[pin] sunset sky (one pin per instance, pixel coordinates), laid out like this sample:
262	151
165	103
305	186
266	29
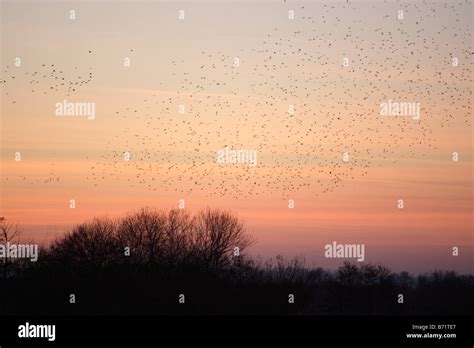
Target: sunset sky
282	62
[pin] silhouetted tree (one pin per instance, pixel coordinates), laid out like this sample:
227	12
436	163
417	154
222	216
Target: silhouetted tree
215	235
89	247
174	252
9	233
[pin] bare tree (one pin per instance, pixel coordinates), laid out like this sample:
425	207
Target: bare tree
215	236
179	237
91	244
144	233
9	233
164	241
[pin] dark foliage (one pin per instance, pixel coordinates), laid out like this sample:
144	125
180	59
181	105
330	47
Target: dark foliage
174	253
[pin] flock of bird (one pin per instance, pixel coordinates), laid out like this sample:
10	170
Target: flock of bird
48	79
293	100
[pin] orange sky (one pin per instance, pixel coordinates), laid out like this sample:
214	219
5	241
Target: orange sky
283	62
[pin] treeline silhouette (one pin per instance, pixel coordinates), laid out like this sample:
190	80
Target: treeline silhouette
145	261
